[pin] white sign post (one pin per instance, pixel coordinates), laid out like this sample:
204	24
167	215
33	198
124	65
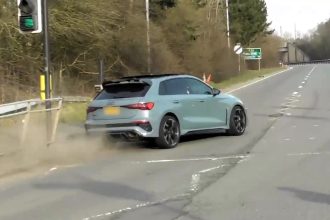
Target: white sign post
238	49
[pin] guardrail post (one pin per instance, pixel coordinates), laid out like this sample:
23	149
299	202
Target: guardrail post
55	122
26	121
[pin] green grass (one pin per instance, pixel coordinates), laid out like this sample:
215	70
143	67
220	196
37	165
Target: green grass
73	113
246	76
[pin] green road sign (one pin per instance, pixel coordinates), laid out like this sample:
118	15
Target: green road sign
252	53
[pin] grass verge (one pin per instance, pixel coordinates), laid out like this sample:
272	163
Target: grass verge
73	113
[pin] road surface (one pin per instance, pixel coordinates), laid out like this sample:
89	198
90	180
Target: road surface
278	170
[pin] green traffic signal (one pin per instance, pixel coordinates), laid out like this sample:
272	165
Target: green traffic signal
30	16
27	23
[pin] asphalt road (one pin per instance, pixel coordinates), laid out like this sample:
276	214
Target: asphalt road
277	170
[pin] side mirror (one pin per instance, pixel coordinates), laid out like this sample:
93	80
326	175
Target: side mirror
216	91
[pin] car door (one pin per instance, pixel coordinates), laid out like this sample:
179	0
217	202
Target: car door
175	99
210	111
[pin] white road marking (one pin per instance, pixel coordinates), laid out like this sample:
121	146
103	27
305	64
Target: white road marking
195	179
141	205
195	159
312	70
305	154
303	82
250	84
300	87
295	93
316	126
312	138
213	168
60	167
287	139
288	114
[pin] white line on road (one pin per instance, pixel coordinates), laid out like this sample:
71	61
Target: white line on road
267	77
140	205
195	159
213	168
195	179
307	154
312	71
60	167
300	87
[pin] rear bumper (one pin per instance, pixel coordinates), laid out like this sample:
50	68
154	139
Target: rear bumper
141	129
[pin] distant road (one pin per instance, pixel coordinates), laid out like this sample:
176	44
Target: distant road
278	170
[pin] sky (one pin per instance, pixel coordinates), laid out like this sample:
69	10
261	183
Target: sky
305	14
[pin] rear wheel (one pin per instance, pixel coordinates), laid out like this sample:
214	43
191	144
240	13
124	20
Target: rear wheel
169	132
237	123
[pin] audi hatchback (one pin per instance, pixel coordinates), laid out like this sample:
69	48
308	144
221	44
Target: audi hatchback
163	108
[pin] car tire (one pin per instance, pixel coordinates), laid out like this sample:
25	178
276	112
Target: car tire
237	123
169	132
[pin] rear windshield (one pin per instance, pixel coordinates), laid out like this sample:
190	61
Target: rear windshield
123	90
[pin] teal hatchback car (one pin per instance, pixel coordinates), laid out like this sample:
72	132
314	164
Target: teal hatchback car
163	108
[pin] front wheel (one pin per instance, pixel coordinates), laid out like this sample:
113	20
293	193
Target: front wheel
169	132
237	124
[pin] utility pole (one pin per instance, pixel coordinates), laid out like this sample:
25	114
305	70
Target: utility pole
148	37
47	66
228	27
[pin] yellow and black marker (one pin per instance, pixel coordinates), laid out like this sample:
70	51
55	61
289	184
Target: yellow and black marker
43	87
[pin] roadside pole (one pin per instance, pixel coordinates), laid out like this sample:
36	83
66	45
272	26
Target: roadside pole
47	68
239	63
101	70
228	23
148	38
238	49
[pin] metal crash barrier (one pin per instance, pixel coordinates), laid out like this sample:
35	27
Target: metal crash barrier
28	107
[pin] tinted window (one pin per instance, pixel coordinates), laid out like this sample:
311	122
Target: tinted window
197	87
173	87
123	90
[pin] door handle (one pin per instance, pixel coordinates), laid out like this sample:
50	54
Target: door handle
201	100
176	101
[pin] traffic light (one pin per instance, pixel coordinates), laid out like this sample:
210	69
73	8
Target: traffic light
29	16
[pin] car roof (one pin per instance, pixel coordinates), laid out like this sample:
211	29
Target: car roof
144	78
152	76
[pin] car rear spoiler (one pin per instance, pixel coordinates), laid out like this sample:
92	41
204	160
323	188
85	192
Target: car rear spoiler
124	80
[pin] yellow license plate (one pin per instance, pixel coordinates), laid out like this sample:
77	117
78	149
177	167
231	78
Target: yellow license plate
111	111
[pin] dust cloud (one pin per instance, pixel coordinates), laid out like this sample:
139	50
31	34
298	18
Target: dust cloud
72	147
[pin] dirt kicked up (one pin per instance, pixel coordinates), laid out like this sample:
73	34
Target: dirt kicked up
72	146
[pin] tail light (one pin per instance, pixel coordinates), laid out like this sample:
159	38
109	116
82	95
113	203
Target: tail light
141	106
92	109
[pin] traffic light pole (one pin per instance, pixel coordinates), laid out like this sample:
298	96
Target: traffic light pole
47	65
